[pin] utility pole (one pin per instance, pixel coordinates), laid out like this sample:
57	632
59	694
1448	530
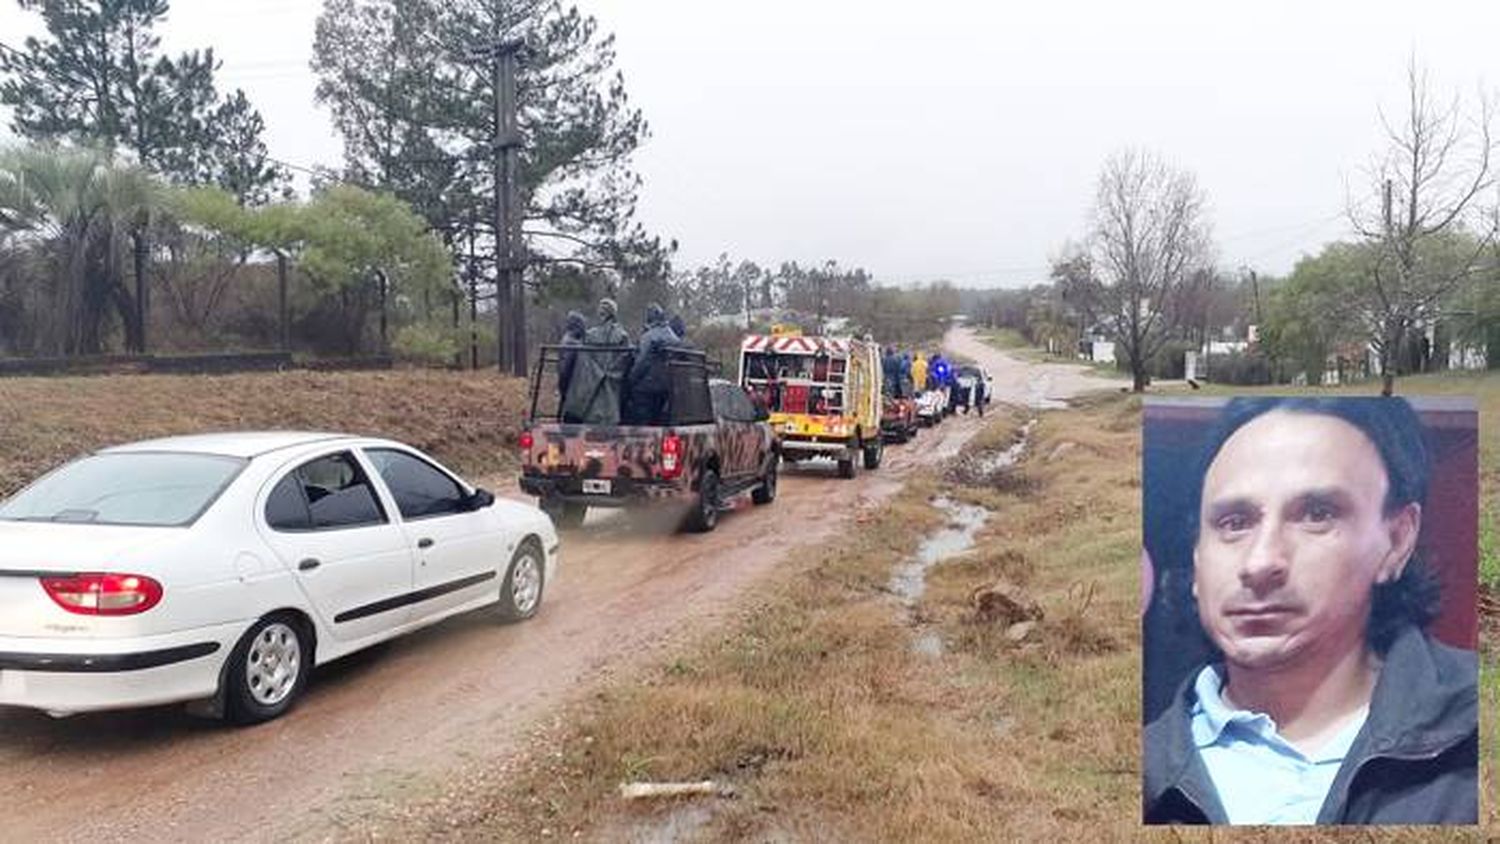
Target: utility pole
515	210
510	290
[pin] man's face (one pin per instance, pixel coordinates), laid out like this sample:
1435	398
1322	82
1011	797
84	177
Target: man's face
1292	539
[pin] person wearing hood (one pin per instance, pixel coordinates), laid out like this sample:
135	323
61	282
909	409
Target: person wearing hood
575	327
649	382
679	327
919	372
594	393
608	332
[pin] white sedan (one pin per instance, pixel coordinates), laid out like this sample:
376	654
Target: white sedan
222	568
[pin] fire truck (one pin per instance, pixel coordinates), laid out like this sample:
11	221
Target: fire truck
823	395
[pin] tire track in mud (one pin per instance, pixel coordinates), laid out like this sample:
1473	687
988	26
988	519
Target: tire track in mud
377	722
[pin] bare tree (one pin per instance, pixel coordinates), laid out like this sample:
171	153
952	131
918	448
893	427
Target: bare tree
1427	200
1149	240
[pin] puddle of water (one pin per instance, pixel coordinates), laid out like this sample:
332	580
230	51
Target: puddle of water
928	643
994	462
910	578
680	824
1038	388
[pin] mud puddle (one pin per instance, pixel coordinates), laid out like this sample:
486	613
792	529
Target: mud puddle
909	580
964	522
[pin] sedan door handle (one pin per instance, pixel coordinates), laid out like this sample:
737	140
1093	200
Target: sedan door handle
424	542
309	564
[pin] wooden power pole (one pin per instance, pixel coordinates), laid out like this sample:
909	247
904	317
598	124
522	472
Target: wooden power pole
510	291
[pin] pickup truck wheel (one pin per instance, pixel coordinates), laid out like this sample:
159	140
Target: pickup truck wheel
766	492
873	452
705	515
565	514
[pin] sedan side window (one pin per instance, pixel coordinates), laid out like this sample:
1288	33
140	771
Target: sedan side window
286	507
420	489
328	493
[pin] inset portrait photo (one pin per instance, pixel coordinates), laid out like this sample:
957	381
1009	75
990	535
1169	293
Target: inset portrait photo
1309	611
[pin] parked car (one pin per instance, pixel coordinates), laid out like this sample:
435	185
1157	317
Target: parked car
932	406
222	568
973	387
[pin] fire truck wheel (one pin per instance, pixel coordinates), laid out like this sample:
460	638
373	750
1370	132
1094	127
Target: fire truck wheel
846	467
705	515
873	452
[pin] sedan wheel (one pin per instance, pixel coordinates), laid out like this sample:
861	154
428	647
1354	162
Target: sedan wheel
521	594
267	671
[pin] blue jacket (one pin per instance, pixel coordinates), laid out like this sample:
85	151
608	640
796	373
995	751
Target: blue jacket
1415	762
649	373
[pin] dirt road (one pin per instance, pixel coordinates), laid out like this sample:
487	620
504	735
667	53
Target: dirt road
1036	385
465	689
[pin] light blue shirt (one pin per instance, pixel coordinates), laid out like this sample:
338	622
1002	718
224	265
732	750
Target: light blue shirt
1261	778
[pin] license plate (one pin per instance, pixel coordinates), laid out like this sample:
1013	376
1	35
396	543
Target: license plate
598	487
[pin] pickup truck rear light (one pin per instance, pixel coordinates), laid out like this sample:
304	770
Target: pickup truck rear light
671	456
103	594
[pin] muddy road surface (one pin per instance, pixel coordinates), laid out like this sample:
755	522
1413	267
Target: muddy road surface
470	688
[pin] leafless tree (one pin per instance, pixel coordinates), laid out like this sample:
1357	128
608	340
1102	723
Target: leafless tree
1429	186
1149	241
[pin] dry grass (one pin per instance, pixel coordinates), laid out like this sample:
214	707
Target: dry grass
829	725
467	420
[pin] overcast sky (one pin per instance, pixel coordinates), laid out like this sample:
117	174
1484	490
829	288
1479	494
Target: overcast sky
952	138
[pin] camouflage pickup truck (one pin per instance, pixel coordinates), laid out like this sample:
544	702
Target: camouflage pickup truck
584	446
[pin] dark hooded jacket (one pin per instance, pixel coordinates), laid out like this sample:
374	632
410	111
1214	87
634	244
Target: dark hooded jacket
649	372
1416	761
679	327
573	333
594	389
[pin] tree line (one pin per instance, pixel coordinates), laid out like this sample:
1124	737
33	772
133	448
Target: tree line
144	210
1420	279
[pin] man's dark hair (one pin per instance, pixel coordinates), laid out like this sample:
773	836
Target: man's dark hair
1393	427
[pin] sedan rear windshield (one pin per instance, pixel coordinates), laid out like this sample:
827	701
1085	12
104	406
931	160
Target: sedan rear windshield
151	489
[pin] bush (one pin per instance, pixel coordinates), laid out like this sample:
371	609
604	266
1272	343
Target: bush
1170	361
1241	368
434	343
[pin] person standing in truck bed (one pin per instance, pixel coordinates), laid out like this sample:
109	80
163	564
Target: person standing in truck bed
574	330
649	381
596	380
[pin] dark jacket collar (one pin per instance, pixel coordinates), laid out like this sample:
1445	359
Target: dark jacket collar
1424	702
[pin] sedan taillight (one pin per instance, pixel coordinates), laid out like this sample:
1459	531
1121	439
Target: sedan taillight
103	594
